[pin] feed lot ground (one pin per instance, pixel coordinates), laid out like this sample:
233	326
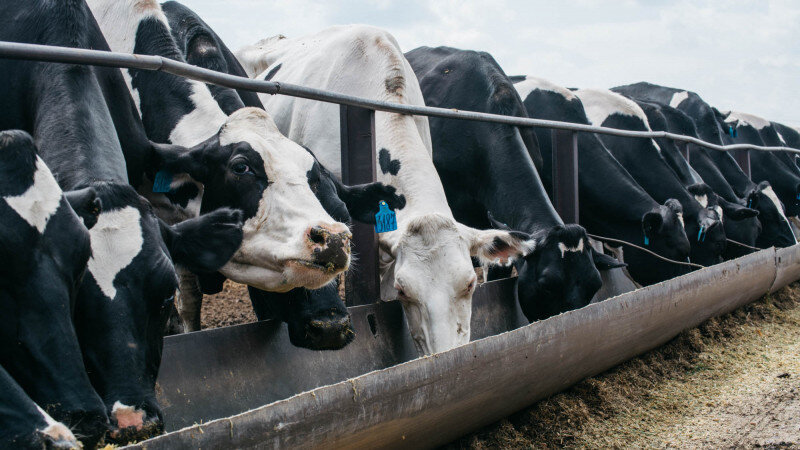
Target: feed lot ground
734	382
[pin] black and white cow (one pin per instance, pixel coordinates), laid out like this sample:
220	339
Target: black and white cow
642	158
45	250
758	195
740	222
122	302
25	425
611	201
426	261
242	160
487	168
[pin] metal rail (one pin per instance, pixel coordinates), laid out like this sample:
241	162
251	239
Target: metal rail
16	50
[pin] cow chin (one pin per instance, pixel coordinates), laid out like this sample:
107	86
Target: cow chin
294	273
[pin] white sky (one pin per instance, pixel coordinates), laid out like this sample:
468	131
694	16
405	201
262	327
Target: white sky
742	55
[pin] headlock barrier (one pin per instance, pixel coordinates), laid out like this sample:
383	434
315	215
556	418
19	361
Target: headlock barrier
246	386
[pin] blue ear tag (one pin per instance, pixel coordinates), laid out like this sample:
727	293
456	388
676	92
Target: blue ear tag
798	196
701	234
646	240
386	219
163	181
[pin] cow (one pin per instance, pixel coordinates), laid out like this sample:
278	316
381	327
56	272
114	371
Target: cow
741	224
788	137
425	263
239	160
123	299
487	168
642	158
24	424
45	251
612	203
758	195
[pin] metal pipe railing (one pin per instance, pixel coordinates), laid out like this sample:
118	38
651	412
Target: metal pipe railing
16	50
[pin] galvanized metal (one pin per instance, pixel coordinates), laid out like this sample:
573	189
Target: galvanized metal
16	50
565	175
432	400
357	131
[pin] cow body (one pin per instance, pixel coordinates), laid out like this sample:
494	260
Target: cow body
612	203
122	300
642	158
488	169
758	195
426	261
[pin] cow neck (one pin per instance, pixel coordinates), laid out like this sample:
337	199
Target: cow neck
513	192
711	174
72	124
173	109
416	178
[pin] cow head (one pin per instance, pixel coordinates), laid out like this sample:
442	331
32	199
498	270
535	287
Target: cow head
289	239
125	299
25	424
776	230
45	249
560	273
662	231
430	271
738	220
317	319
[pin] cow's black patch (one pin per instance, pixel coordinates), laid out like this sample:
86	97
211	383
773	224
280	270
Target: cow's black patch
388	165
183	194
272	72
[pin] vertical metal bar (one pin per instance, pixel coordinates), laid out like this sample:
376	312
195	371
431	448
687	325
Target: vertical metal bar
684	147
357	131
565	174
742	158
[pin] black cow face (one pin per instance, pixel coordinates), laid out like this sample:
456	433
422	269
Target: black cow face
663	233
126	297
776	230
561	258
23	424
44	248
317	319
740	220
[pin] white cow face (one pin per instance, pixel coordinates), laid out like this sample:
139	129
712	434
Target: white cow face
289	239
432	275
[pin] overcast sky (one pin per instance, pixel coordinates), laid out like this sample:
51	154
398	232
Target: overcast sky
736	54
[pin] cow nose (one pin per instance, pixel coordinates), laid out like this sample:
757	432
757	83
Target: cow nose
133	424
330	246
329	333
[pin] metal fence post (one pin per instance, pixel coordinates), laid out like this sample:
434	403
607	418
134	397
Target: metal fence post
565	174
357	131
742	158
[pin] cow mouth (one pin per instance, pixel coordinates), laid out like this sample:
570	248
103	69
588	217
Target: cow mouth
329	267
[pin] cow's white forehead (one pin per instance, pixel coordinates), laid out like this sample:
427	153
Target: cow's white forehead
280	155
40	201
678	98
576	249
747	119
116	239
702	199
778	205
524	88
601	103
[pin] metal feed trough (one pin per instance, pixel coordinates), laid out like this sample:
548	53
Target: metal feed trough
247	386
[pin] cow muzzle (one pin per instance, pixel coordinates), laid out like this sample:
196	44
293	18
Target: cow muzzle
329	249
331	332
132	424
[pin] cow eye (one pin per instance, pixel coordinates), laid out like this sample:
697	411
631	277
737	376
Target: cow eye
241	168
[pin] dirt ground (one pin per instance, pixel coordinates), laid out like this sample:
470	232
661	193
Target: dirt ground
229	307
734	382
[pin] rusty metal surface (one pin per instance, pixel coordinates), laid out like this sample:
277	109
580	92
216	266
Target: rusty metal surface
432	400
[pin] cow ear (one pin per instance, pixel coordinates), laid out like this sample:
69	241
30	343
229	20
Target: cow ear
204	244
362	200
491	246
651	223
605	262
735	211
85	204
496	223
195	162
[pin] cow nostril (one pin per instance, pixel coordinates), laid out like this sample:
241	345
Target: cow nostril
317	235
